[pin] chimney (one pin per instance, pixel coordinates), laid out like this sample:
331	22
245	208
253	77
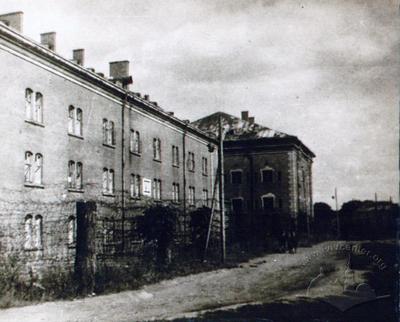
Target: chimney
13	20
154	103
251	120
147	97
100	74
171	113
78	55
48	40
119	73
245	115
90	69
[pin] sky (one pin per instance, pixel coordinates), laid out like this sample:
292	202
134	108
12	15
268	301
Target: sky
325	71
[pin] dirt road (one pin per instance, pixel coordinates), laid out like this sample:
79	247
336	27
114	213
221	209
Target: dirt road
262	279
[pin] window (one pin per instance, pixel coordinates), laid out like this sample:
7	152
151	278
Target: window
33	169
157	149
71	230
268	201
38	231
75	175
236	176
108	181
33	232
205	197
135	186
75	121
175	156
157	189
134	142
28	167
33	106
204	166
108	132
28	232
191	162
237	205
191	196
267	174
175	192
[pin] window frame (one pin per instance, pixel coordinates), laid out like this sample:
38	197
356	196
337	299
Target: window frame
232	176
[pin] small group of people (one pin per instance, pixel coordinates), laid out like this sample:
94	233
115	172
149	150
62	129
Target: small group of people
288	242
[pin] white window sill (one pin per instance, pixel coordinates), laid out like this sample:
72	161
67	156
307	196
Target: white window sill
108	194
157	160
109	145
34	123
33	185
71	245
75	135
175	165
134	197
33	249
76	190
136	153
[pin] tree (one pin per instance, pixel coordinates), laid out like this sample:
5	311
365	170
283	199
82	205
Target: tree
324	220
158	227
199	224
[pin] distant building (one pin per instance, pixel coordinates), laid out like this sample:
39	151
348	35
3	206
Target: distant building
74	141
268	175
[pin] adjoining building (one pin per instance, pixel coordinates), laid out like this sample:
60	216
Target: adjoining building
268	176
77	144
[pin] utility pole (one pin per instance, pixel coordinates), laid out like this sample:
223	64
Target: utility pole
221	189
337	215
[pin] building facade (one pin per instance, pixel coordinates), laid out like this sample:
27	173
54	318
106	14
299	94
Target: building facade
268	176
73	137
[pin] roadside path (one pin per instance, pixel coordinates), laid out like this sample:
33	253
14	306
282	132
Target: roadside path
261	279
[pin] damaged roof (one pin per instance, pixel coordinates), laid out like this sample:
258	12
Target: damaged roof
236	128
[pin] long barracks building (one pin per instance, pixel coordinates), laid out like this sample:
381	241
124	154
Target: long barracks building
71	137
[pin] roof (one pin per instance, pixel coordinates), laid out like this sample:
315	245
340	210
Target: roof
238	130
37	49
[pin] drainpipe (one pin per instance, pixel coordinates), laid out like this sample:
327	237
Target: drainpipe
124	104
184	179
221	189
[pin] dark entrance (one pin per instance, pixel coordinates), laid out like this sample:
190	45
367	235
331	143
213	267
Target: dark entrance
85	260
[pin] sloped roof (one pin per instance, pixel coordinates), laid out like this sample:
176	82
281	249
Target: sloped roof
236	128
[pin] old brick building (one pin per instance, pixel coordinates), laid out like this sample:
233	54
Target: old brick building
268	175
71	137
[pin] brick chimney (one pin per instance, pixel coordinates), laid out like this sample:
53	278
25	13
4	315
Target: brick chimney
251	120
13	20
78	55
245	115
147	97
119	73
48	40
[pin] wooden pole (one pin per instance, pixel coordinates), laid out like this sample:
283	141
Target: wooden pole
337	214
221	189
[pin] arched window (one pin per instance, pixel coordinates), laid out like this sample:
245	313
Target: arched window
157	149
79	175
108	181
105	131
28	104
135	186
267	174
111	181
268	201
78	123
28	167
38	231
38	169
111	133
28	232
71	230
38	108
71	174
135	142
71	119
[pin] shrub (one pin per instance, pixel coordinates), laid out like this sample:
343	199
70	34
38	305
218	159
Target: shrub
158	227
199	224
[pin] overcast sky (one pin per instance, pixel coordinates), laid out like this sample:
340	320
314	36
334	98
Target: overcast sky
326	71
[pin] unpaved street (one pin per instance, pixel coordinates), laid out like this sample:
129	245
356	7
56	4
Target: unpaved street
262	279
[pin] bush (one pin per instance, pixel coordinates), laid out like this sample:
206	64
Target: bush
158	227
199	224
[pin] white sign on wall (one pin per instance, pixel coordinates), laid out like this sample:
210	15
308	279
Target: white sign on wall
146	187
